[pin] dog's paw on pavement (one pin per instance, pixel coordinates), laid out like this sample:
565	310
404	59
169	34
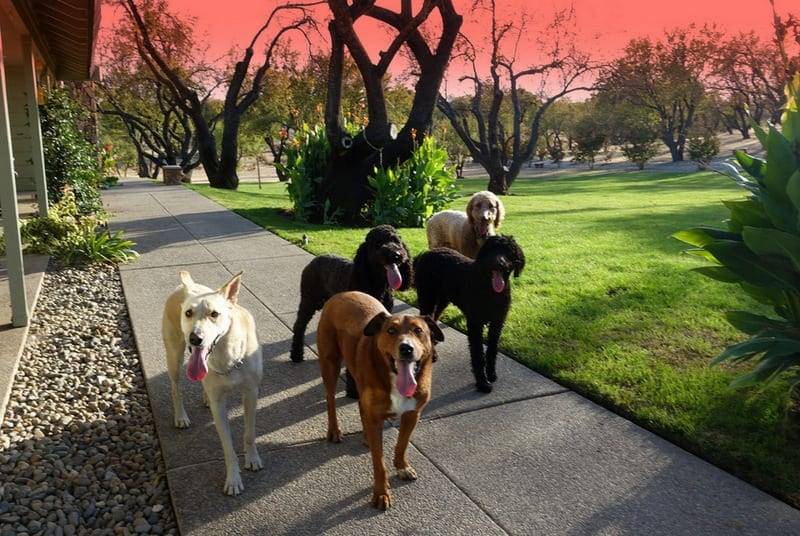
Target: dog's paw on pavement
334	436
182	422
382	501
233	485
253	462
407	473
484	387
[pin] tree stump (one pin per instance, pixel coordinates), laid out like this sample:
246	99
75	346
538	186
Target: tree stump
172	175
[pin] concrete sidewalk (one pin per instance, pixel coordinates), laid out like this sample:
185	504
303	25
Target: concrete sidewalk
529	458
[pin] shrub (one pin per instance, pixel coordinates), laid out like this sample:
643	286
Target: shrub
589	140
307	160
408	194
73	237
70	160
640	152
703	149
760	250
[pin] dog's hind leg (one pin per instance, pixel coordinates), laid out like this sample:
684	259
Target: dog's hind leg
492	340
475	338
408	421
233	480
175	350
252	460
329	366
304	316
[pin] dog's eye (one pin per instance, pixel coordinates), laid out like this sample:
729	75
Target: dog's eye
189	313
214	314
392	331
417	330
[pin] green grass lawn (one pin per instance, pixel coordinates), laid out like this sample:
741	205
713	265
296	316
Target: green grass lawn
607	306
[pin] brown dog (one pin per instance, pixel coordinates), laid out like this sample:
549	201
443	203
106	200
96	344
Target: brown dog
390	357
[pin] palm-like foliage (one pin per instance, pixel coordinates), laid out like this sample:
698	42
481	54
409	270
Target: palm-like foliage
760	250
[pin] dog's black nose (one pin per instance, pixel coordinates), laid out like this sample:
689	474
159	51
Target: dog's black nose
195	339
395	256
406	350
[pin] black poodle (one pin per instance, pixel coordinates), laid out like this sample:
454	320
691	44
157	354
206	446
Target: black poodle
480	288
382	264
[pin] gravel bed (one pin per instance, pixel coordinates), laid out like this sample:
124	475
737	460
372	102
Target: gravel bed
78	449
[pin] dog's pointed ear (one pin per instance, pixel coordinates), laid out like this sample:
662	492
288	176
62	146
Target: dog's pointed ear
436	332
231	289
374	326
501	214
186	278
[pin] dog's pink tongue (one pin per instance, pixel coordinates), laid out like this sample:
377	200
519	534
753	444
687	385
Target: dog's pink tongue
197	368
393	276
498	283
406	383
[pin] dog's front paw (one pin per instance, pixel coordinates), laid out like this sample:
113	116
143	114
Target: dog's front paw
253	462
483	386
382	500
407	473
182	421
233	485
334	436
491	375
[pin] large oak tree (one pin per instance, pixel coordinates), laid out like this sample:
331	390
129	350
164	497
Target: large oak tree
241	86
352	160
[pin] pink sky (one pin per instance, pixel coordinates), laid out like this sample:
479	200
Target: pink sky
605	25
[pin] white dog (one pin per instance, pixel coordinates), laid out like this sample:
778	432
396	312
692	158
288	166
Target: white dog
224	354
466	231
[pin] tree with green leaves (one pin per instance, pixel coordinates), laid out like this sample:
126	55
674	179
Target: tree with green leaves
665	77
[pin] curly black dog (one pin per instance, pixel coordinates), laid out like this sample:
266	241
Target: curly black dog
480	288
382	264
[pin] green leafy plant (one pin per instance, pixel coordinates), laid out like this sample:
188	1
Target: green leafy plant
703	149
408	194
70	159
307	159
73	237
760	250
640	152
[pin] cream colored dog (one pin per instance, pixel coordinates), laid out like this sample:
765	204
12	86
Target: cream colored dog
466	231
224	354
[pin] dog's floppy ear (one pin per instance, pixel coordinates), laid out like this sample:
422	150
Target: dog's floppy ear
359	277
186	278
406	269
231	289
470	206
501	214
374	326
519	257
436	332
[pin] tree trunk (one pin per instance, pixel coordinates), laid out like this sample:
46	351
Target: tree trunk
498	180
675	148
143	165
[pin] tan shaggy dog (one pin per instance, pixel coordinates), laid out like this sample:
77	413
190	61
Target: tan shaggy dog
466	231
390	358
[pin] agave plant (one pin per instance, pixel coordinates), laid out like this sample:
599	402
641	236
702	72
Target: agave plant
760	250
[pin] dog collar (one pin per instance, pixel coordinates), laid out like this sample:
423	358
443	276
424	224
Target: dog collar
236	365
